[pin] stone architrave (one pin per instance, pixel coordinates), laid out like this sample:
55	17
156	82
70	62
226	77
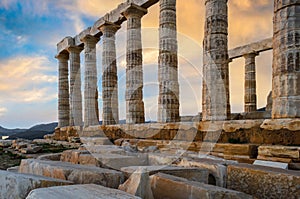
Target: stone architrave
286	59
168	100
91	112
250	83
110	113
63	90
134	68
215	93
75	86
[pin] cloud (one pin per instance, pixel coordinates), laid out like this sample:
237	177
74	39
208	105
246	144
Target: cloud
2	111
27	79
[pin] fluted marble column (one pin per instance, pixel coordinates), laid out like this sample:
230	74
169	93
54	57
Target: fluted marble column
168	100
286	59
75	86
250	83
63	90
134	67
110	113
215	94
91	112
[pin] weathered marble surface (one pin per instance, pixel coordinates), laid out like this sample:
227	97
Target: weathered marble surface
193	174
80	192
168	186
138	184
17	186
79	174
263	182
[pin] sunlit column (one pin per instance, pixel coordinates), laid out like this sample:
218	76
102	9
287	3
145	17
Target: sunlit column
91	112
168	100
63	90
216	103
75	86
110	113
250	83
134	67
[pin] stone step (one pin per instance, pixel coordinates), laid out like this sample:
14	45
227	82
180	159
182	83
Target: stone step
17	185
79	192
79	174
279	153
193	174
168	186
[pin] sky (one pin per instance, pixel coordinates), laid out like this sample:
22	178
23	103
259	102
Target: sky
30	30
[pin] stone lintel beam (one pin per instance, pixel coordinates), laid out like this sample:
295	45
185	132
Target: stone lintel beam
256	47
64	44
115	16
78	39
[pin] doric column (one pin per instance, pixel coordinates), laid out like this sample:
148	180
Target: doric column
250	83
168	100
286	59
110	113
134	66
91	112
75	86
63	90
215	102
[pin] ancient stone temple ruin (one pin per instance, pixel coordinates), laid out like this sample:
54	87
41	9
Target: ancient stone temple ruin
253	154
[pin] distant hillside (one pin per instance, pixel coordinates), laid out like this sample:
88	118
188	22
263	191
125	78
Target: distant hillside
35	132
7	132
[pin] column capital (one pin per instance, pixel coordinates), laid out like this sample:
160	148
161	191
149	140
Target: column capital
75	49
251	55
62	56
109	26
90	39
134	10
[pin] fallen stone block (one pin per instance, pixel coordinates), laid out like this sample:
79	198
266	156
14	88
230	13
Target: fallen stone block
116	161
217	169
161	159
95	141
263	182
168	186
278	165
5	143
17	186
138	184
79	174
192	174
274	159
79	192
13	169
31	149
52	157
